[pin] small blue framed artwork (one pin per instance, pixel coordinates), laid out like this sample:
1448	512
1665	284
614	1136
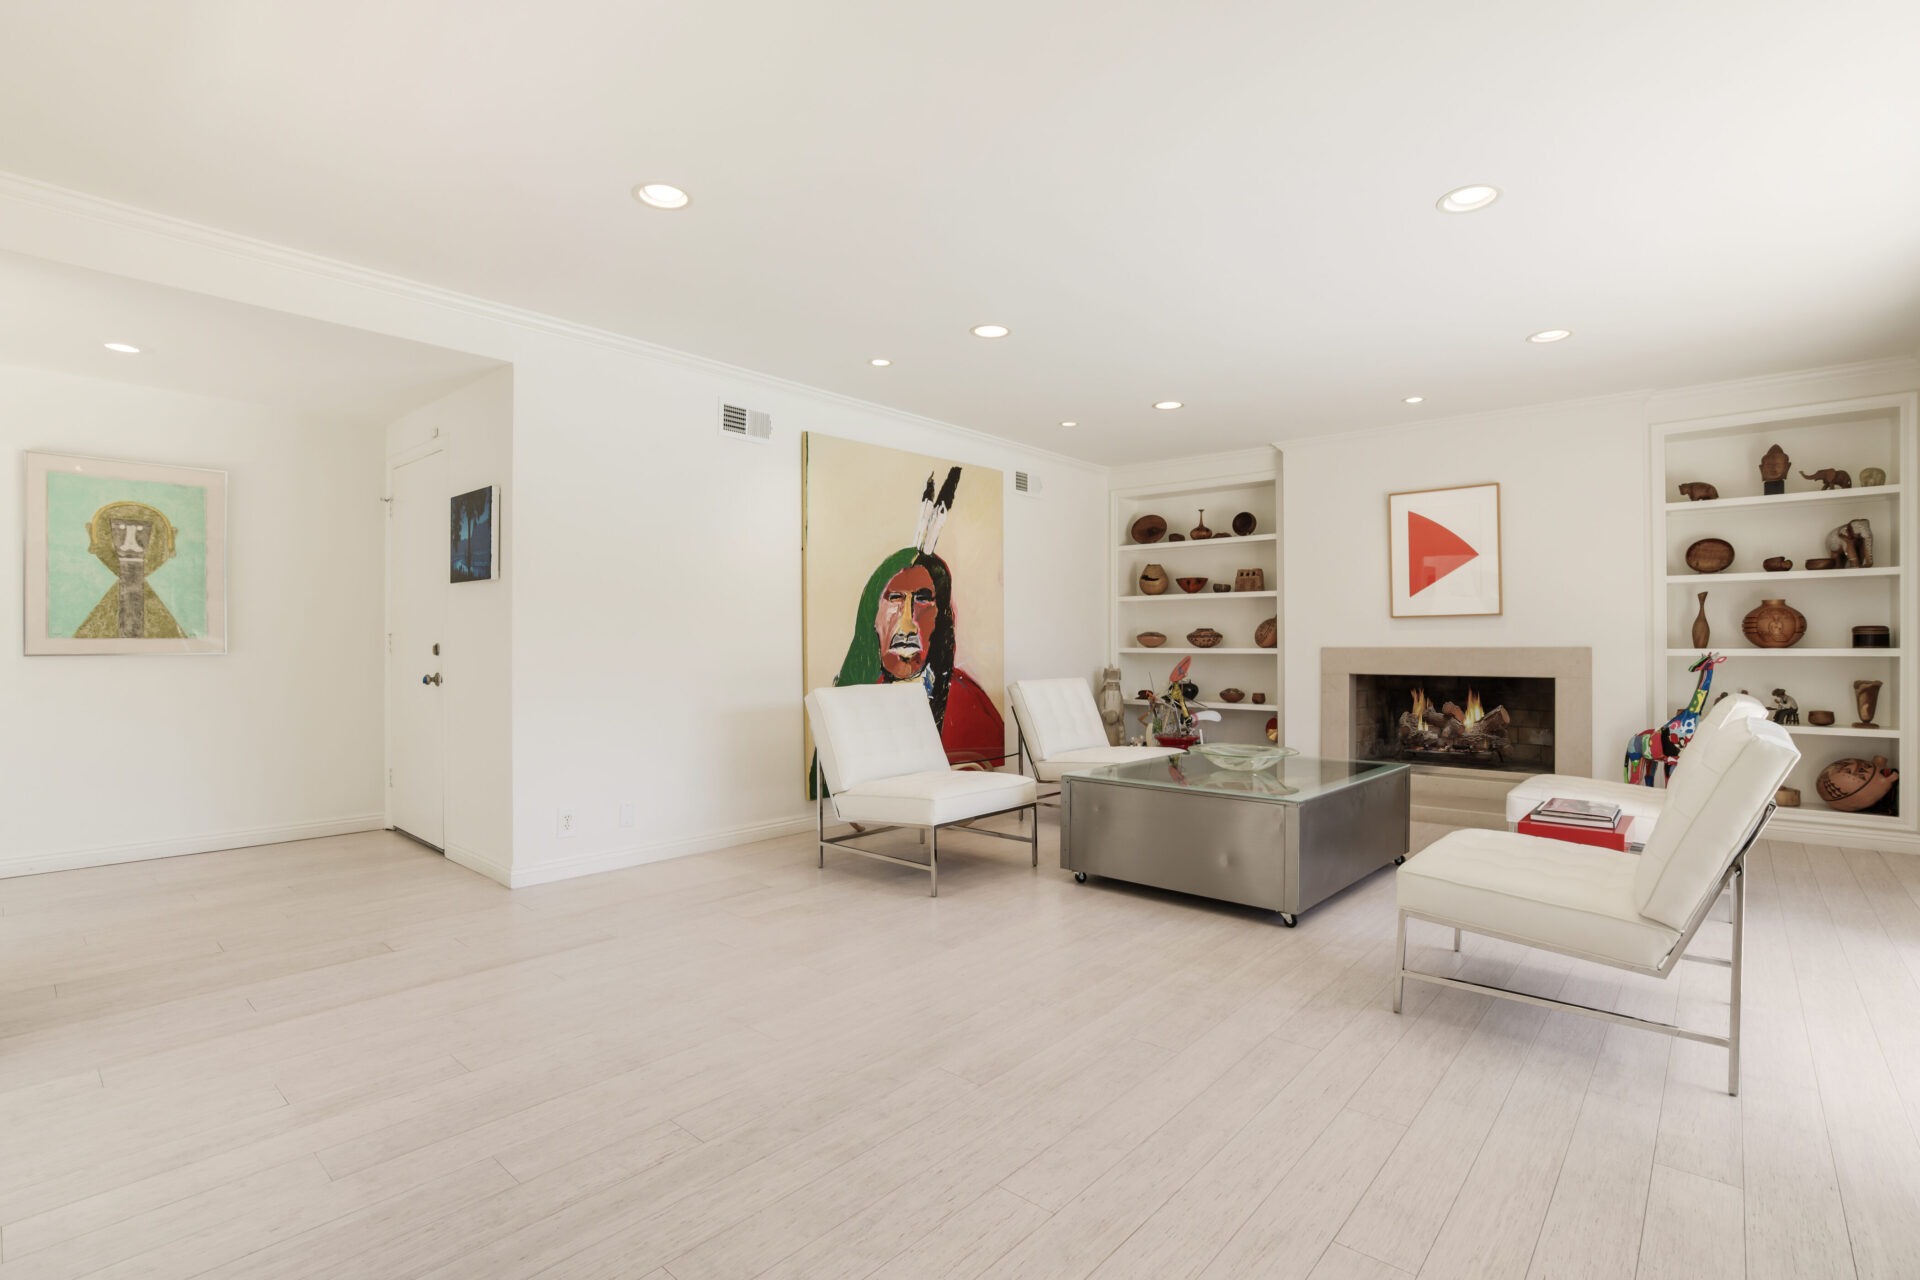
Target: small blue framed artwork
475	552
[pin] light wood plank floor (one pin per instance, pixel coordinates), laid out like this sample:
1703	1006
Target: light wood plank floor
349	1057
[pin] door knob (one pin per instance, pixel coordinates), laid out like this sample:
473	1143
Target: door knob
432	679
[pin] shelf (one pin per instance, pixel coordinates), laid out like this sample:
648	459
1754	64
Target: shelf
1838	731
1782	653
1790	499
1229	541
1265	653
1790	575
1267	707
1202	595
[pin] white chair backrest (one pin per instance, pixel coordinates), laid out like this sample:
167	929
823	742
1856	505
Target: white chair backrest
1723	784
1732	707
1057	716
868	731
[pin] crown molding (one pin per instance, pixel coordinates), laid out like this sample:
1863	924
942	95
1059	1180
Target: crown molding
1490	416
131	218
1192	468
1666	405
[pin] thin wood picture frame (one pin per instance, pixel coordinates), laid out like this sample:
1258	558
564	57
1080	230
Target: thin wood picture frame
1444	552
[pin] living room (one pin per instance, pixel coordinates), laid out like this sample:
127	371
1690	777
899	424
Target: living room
1328	566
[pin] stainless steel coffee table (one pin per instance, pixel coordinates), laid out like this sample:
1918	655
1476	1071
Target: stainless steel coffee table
1283	838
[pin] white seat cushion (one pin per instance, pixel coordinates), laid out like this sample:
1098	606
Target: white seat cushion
1565	897
1051	768
934	798
870	731
1643	803
1056	716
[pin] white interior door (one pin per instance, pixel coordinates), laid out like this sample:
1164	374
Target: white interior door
416	611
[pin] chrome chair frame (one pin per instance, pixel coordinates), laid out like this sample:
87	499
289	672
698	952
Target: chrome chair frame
930	836
1022	752
1735	877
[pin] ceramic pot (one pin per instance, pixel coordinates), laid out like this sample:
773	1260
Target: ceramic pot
1151	639
1701	631
1191	585
1787	797
1245	523
1153	581
1776	564
1204	638
1774	625
1855	784
1872	477
1176	537
1231	695
1872	637
1820	719
1259	699
1709	555
1267	634
1149	529
1200	530
1221	586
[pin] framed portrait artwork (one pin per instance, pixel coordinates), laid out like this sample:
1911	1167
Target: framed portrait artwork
1443	548
124	557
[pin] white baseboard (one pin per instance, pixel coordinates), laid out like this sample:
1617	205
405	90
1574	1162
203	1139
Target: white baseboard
1806	826
588	864
33	864
485	866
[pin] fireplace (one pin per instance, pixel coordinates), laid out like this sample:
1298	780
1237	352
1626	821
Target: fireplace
1455	721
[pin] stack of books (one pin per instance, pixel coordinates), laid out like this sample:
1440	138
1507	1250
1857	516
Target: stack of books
1592	822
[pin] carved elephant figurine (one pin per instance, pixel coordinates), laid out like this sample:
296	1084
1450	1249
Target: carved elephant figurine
1829	478
1851	545
1698	491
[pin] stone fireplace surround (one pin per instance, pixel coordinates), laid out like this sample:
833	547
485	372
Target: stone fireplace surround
1570	668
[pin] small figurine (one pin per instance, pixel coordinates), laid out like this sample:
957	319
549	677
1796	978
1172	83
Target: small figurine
1773	470
1785	709
1111	706
1829	478
1698	491
1872	477
1851	545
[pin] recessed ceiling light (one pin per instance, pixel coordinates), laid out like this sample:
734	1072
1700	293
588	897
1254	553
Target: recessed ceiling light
1069	424
990	331
879	363
1550	335
122	347
1467	199
1166	404
661	195
1413	400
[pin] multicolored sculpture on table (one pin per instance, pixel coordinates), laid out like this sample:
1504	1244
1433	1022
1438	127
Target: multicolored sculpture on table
1662	746
1174	717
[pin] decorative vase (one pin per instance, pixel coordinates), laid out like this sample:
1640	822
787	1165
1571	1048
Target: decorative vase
1204	637
1866	698
1267	634
1701	632
1153	581
1200	530
1774	625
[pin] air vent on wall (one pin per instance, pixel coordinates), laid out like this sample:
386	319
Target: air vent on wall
745	424
1025	482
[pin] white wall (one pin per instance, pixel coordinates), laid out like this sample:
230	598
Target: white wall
1573	515
473	426
109	759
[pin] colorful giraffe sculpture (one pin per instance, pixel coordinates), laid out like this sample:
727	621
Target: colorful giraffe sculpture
1662	746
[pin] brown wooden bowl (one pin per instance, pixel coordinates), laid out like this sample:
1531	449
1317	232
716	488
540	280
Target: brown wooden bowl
1151	639
1776	564
1709	555
1149	529
1822	563
1232	695
1204	638
1176	537
1245	523
1820	719
1222	586
1191	585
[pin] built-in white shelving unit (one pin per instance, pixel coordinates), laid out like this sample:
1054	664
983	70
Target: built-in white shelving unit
1236	662
1818	672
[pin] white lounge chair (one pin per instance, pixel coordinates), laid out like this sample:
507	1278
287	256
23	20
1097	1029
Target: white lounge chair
1060	729
880	754
1631	911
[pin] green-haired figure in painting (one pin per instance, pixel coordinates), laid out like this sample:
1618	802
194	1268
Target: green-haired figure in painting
132	539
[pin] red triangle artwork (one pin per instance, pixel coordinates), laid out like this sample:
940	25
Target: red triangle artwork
1433	552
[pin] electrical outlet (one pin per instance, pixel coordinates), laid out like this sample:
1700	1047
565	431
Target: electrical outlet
626	815
566	824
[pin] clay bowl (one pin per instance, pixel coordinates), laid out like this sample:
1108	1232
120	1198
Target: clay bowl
1204	638
1259	698
1820	719
1709	555
1776	564
1176	537
1822	563
1222	586
1149	529
1231	695
1245	523
1151	639
1191	585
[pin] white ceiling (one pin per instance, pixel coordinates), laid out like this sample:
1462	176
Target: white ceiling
1229	204
59	317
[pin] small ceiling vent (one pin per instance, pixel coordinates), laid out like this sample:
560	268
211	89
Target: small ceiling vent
745	424
1027	483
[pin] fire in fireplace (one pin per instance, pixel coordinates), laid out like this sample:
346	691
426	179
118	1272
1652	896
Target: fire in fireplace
1469	722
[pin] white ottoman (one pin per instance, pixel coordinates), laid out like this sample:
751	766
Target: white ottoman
1643	804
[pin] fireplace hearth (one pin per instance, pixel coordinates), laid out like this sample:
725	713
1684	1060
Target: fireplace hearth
1464	722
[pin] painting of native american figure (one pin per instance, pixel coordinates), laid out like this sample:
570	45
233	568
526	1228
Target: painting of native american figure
901	556
124	557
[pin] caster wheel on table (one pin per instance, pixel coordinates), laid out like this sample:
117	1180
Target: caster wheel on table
1402	858
1288	919
1079	877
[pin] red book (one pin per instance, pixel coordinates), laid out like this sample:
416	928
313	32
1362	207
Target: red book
1601	836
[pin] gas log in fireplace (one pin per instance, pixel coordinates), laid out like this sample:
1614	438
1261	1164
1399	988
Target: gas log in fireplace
1468	722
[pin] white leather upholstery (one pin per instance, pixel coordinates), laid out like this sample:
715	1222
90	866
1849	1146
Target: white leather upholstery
873	731
1643	803
1057	716
1052	768
1566	897
1723	783
935	798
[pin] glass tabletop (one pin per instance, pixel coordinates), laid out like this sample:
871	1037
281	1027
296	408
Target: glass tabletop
1293	780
